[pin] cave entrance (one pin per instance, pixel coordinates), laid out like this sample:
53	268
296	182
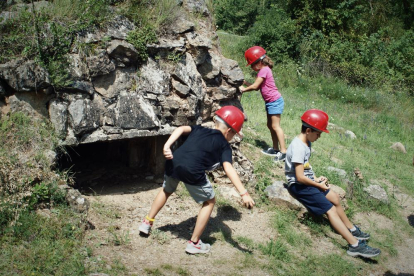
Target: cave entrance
119	166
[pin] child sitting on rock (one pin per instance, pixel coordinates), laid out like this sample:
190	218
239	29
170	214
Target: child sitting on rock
313	192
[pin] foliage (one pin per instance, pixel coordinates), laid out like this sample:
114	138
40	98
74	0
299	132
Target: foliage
156	14
238	16
140	37
366	43
46	34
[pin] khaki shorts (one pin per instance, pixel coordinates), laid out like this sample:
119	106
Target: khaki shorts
200	194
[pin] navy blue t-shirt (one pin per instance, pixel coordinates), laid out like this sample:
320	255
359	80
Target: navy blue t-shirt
205	149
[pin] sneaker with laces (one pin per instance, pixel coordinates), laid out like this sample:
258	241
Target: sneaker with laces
270	152
280	156
363	250
200	247
145	227
359	234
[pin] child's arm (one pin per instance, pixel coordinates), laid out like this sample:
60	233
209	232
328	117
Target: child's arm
250	87
173	137
300	177
234	178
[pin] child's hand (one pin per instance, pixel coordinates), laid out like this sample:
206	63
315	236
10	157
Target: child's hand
248	201
241	88
323	185
167	153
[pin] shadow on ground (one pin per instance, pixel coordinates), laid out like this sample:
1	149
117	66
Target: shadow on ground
215	225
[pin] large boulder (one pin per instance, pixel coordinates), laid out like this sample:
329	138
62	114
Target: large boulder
84	116
134	112
279	194
24	75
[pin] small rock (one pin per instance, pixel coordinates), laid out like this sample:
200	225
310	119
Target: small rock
399	147
281	196
350	134
339	172
377	192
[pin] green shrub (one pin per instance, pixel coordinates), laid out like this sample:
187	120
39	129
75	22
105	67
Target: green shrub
140	37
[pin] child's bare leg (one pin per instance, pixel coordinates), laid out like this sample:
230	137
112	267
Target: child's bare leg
278	136
158	203
202	219
335	200
339	226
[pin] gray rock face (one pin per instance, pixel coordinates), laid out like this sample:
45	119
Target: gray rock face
24	75
78	69
181	25
110	95
278	194
109	86
186	72
123	52
100	64
153	79
377	192
58	113
181	89
210	68
119	28
135	113
232	72
197	6
84	117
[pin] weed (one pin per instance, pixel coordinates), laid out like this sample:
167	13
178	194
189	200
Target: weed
154	271
276	249
118	238
160	236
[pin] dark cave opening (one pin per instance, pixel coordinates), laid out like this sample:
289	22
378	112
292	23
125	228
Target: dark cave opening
114	166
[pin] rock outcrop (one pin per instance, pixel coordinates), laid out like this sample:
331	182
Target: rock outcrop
112	95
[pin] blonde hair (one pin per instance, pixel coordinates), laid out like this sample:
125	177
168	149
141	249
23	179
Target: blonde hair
268	62
220	123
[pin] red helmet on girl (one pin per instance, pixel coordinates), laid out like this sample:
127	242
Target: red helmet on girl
254	54
233	116
316	119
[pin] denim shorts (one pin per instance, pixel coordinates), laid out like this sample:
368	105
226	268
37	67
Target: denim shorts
199	193
276	107
311	197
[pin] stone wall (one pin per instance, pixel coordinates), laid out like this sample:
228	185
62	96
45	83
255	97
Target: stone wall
111	95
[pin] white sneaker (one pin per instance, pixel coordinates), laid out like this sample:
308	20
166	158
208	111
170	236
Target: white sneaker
280	157
145	227
200	247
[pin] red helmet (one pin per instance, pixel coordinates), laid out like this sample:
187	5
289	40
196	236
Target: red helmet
316	119
254	54
233	116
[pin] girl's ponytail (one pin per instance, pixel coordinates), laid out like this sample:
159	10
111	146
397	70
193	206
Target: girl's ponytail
268	62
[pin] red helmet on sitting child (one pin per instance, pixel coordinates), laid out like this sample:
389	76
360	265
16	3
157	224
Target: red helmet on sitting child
233	116
254	54
316	119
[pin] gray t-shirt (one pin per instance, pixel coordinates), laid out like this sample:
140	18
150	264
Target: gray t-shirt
298	152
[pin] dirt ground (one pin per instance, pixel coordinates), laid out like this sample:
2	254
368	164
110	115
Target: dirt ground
118	207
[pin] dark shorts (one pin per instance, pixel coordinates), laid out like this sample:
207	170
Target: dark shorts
312	198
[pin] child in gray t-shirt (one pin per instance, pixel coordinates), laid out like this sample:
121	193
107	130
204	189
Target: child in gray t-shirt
313	192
